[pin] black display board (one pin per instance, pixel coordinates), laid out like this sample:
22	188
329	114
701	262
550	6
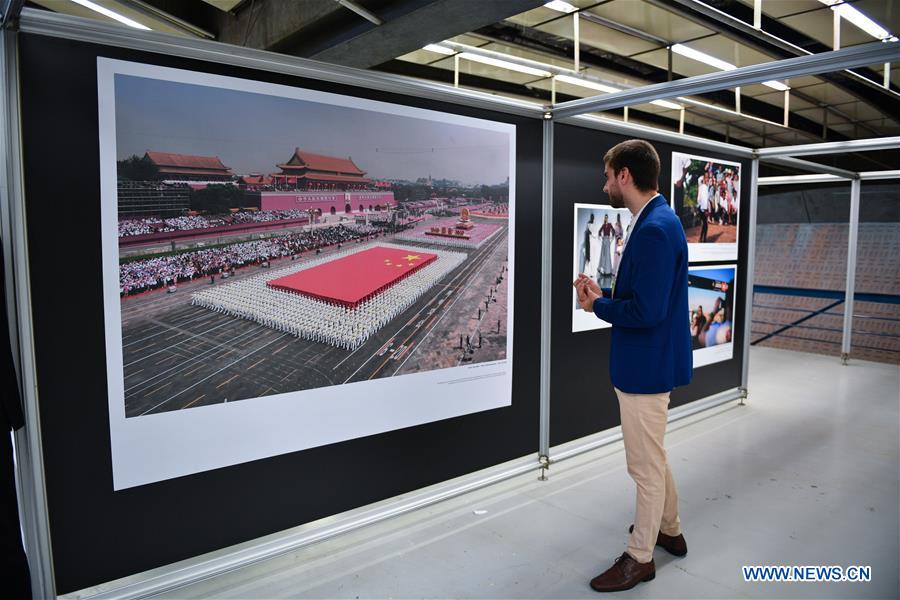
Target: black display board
99	535
582	397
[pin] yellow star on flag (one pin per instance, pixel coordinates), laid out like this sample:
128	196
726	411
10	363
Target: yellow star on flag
411	257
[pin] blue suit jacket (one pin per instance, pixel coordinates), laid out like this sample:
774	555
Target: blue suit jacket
651	337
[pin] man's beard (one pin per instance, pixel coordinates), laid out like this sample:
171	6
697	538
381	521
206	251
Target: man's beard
615	199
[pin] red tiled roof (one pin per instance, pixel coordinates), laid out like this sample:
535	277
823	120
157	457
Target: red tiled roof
257	179
320	162
170	162
207	172
329	177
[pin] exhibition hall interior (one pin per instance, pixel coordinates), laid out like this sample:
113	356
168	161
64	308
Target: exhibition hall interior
451	298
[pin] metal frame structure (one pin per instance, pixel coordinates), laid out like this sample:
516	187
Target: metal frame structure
28	443
750	278
31	485
546	289
856	180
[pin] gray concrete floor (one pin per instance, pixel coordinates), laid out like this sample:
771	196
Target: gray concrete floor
807	473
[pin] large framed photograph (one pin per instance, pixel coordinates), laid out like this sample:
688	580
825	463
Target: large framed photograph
599	238
711	294
706	197
286	268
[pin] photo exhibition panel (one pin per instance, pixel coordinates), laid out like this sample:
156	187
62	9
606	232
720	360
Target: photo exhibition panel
335	329
589	237
251	287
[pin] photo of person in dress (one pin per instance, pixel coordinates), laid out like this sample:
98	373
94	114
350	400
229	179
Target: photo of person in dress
607	238
599	242
591	247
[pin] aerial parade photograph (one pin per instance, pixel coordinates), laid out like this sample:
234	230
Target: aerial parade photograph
276	253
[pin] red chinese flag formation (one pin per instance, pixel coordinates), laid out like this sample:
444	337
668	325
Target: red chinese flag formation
357	277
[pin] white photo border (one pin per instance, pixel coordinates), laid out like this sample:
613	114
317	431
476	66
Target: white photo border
709	252
722	352
163	446
581	319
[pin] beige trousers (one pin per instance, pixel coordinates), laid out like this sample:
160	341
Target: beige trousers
643	430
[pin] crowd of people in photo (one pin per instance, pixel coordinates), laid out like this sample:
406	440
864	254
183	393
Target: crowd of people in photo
718	194
417	235
266	216
317	320
710	329
129	227
152	273
491	209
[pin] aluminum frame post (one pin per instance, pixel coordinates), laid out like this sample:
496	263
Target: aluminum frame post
546	292
9	11
864	145
813	64
806	165
609	125
852	241
800	179
807	179
31	487
751	273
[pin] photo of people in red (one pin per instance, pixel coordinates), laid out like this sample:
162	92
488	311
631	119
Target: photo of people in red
706	197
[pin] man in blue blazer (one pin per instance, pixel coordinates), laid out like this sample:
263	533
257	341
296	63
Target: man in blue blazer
651	351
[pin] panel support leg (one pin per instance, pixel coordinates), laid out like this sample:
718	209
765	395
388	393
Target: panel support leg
545	467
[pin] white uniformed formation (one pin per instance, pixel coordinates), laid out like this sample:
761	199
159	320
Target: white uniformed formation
421	238
321	321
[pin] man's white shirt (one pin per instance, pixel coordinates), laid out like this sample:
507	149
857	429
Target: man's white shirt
634	220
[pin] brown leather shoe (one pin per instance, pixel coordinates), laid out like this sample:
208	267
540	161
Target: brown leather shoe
674	545
623	575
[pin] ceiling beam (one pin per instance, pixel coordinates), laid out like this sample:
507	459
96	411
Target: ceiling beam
870	145
420	71
266	24
545	43
805	165
427	22
733	21
876	52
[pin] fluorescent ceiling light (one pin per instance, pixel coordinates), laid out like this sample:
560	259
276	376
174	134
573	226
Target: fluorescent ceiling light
717	63
439	49
602	87
667	104
503	64
857	18
727	110
112	15
561	6
776	85
585	83
702	57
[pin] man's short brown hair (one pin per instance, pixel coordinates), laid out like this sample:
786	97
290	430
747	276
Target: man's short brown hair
641	159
